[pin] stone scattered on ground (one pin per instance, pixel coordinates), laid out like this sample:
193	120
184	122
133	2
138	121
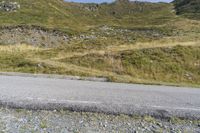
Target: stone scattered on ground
9	6
33	35
17	120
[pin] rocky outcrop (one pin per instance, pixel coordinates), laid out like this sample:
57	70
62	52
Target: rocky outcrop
122	1
9	6
33	35
90	7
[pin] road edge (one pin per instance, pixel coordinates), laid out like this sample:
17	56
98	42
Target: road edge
56	76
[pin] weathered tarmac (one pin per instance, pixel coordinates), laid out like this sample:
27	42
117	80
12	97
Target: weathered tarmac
90	96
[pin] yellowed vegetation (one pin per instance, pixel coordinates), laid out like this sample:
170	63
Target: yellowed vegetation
18	48
120	48
116	72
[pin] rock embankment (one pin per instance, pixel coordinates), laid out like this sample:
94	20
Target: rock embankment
9	6
33	35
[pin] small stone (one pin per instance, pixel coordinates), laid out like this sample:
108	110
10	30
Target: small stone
142	124
165	127
172	130
147	129
154	126
101	124
81	121
129	124
159	124
105	125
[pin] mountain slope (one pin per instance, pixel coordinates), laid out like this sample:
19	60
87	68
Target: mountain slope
190	8
123	41
79	17
46	13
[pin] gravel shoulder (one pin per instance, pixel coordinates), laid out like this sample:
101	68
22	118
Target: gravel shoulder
20	120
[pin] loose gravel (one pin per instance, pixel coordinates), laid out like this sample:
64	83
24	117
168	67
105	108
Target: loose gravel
19	120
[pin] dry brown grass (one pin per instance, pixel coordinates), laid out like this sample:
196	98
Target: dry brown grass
124	47
115	70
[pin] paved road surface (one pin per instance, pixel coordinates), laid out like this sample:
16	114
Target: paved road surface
76	95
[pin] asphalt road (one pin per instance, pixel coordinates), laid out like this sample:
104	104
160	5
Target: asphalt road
114	98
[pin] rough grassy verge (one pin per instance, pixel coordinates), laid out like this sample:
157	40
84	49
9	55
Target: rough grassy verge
138	63
18	120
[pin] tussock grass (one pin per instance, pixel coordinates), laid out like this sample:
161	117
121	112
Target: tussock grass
173	64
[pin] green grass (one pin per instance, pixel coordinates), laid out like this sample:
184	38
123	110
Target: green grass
74	18
178	64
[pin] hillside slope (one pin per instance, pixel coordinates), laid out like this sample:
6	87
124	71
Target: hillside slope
190	8
137	42
80	17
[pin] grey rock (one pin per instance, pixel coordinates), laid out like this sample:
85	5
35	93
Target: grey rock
33	35
159	124
91	7
9	6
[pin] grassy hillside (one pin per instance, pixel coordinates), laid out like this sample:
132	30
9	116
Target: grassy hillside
135	42
75	18
190	8
80	17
